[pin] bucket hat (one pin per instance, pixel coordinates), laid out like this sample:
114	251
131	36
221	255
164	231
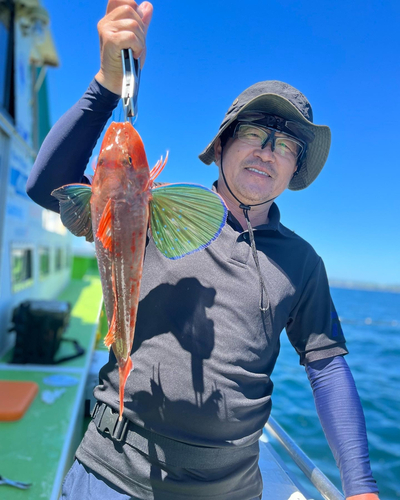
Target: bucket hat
283	100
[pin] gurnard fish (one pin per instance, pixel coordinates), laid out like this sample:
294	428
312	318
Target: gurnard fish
116	212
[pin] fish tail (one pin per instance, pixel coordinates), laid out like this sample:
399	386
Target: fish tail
123	375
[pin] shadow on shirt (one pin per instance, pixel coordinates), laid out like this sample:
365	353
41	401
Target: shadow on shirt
180	310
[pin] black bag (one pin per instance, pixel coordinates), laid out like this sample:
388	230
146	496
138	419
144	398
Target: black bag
40	325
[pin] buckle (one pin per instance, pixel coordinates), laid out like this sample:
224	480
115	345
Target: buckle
107	421
95	408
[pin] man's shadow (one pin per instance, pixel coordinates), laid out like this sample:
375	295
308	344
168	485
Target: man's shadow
181	310
165	409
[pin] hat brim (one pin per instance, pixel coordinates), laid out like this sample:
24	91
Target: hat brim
274	104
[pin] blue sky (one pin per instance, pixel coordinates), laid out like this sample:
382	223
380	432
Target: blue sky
342	55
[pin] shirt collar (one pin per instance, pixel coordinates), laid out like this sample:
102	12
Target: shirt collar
274	217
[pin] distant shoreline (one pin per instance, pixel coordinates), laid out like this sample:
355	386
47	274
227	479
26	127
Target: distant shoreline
357	285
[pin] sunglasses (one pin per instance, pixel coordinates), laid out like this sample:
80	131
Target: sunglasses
259	137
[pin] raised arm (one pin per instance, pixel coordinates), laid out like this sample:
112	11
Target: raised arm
66	150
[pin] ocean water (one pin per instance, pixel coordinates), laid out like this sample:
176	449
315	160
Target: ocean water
371	324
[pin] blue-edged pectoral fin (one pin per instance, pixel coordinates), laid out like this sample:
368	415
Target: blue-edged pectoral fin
75	209
185	218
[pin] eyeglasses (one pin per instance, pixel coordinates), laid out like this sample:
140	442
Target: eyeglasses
257	136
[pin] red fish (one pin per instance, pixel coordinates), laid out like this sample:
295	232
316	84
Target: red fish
117	209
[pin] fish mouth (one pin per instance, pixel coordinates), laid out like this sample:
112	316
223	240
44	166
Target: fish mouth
259	171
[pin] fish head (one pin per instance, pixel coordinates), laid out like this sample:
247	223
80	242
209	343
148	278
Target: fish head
122	151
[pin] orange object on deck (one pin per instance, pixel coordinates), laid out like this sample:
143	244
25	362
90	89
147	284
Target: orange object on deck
15	398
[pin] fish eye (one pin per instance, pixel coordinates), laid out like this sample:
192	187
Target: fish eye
130	160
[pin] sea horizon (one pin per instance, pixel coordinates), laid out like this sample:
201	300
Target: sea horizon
364	285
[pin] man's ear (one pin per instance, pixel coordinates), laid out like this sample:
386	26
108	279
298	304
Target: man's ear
297	168
217	151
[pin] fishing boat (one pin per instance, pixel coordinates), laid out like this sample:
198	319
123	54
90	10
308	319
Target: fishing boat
35	258
37	261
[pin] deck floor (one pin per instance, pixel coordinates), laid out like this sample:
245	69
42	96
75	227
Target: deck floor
39	448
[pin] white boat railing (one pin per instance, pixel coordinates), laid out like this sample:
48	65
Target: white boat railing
306	465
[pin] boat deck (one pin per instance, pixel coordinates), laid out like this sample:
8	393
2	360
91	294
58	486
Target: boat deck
40	447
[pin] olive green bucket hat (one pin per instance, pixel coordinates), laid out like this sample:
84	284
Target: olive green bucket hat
280	99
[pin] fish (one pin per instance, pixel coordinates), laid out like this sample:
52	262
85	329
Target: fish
117	211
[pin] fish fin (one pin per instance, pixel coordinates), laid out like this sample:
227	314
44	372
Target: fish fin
110	337
123	375
185	218
158	168
75	209
104	231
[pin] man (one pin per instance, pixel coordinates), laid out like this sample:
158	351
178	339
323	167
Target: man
208	326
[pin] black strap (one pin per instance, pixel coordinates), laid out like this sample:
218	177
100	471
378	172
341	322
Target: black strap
263	289
246	209
165	449
80	351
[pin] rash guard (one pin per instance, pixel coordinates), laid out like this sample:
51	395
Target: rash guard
342	419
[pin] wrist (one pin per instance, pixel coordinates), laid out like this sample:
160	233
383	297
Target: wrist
114	86
364	496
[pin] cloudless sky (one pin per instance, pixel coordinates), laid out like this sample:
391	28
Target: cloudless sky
344	56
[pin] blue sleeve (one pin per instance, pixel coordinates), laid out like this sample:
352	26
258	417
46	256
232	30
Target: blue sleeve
342	418
65	152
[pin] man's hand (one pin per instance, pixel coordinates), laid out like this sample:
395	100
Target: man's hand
364	496
124	26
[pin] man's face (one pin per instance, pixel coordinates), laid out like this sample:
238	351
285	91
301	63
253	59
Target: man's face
253	174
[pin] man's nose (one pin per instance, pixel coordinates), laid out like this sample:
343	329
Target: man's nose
265	153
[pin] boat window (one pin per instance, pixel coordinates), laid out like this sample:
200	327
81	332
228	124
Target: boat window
59	259
21	268
68	257
7	9
44	262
